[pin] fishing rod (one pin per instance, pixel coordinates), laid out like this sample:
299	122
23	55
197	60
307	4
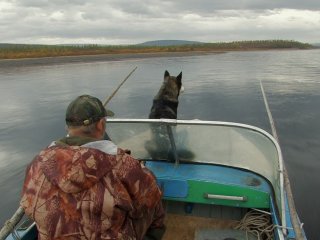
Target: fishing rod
107	100
294	219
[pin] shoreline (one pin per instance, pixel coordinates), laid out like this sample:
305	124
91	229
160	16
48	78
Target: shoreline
40	54
57	60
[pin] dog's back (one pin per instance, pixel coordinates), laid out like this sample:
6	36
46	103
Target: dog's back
165	103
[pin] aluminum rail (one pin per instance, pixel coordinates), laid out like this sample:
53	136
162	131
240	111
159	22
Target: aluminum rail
284	179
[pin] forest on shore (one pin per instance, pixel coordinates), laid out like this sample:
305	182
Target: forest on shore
18	51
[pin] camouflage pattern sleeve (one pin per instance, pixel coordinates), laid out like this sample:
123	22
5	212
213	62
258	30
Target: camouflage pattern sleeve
145	194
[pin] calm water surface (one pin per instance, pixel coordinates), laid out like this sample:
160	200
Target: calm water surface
223	87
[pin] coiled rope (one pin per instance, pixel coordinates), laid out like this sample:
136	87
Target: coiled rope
257	223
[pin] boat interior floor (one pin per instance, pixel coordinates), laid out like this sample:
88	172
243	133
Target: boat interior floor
181	227
186	221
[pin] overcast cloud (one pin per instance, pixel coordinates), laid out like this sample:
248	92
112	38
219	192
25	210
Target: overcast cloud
130	22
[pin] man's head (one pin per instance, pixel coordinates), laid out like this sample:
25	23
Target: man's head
85	116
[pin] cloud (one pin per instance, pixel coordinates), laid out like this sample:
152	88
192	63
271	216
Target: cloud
127	22
207	6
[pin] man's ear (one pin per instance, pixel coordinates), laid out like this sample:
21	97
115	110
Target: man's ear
101	125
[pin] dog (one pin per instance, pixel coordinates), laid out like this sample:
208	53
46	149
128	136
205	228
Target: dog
165	103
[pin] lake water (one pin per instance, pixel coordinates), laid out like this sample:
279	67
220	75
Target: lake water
223	87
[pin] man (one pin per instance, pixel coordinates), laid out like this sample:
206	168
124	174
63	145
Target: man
84	187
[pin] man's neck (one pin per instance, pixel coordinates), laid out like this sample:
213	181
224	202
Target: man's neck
75	140
78	133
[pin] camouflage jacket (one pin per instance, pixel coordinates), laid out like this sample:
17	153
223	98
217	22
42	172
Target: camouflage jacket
80	192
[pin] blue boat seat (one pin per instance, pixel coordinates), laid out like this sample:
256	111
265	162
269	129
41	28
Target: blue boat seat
173	188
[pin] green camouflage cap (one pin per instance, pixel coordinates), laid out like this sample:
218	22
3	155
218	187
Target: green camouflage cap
85	110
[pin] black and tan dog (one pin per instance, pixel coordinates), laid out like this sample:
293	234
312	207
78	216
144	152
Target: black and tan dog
165	103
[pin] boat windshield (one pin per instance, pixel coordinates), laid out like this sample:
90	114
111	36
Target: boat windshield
229	144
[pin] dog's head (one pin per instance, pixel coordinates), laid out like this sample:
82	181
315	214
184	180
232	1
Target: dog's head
171	86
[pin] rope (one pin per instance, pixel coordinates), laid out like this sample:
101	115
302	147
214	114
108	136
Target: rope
258	224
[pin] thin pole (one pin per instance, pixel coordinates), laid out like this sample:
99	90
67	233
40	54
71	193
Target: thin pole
291	205
10	224
115	91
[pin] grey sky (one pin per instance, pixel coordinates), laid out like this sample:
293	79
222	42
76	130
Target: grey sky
129	22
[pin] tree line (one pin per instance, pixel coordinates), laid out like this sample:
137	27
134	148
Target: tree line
13	51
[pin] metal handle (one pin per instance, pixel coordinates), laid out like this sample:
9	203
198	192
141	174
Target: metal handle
225	197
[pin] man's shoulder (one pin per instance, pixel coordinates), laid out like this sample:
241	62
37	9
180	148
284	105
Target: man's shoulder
105	146
63	154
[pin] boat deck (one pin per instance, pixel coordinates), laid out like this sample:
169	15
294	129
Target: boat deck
185	227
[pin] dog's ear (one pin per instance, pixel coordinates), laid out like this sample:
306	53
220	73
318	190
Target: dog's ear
178	79
166	74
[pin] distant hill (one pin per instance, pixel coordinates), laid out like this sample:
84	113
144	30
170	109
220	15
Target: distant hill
7	45
168	43
18	45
